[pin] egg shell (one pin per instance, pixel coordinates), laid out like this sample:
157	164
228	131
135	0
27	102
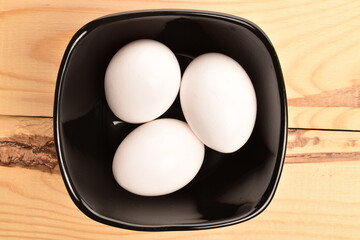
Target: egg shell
142	80
218	101
158	157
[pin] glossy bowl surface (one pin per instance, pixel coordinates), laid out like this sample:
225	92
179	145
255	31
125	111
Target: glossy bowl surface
230	188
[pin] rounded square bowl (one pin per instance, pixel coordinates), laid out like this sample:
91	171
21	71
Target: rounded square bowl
229	188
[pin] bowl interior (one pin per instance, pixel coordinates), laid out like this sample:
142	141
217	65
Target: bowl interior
229	187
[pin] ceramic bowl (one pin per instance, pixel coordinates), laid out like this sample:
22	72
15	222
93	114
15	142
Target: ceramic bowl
229	188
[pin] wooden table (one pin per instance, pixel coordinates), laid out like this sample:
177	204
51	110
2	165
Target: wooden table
318	43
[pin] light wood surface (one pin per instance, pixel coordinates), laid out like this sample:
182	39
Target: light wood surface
318	44
318	195
311	203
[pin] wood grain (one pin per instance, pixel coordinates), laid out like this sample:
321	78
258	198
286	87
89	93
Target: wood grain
313	201
28	142
318	43
318	195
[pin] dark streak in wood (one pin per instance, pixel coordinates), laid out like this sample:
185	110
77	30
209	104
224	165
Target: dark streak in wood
38	152
322	157
300	140
345	97
28	151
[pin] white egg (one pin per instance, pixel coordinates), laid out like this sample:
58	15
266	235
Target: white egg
158	157
142	80
218	101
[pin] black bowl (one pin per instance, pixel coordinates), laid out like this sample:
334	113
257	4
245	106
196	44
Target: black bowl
230	188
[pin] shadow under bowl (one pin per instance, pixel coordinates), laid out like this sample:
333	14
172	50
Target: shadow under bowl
230	188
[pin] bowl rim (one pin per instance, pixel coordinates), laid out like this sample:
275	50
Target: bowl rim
75	196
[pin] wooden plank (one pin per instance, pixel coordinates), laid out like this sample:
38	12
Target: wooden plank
317	196
311	203
318	44
28	142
